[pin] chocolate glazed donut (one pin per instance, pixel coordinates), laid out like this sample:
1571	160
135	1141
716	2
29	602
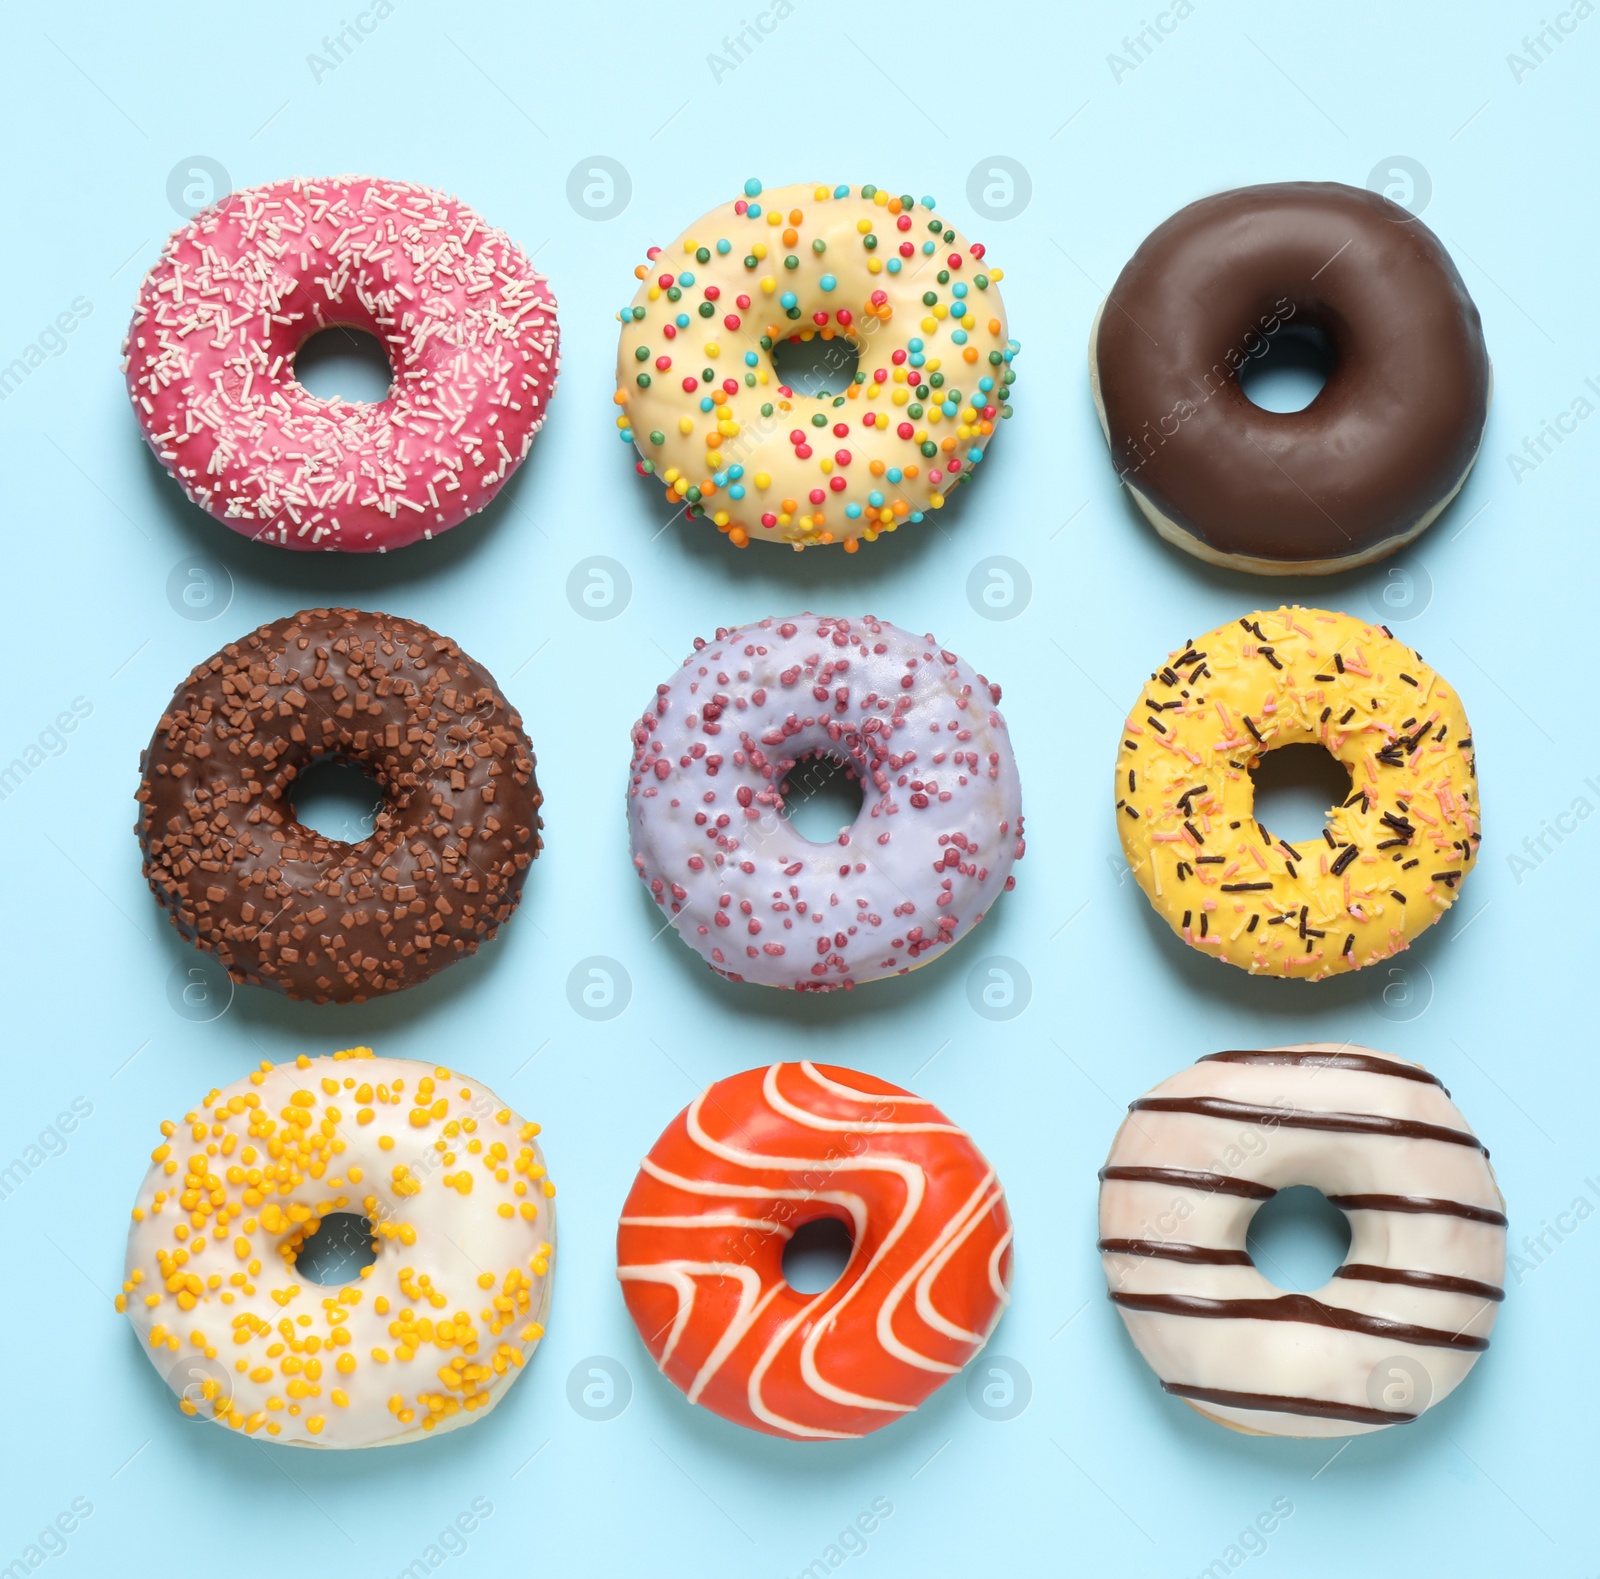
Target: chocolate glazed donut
1386	443
281	905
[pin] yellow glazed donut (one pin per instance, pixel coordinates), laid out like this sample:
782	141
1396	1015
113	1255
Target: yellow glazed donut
710	417
1393	855
428	1337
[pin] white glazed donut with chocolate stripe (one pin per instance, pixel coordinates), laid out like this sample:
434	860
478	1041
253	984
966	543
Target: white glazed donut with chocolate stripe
763	1153
1400	1323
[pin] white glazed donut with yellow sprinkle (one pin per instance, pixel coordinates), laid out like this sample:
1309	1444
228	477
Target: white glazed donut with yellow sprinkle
428	1337
916	302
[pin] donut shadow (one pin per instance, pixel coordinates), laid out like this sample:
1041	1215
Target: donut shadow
316	580
1263	995
826	1465
816	570
1382	1456
1355	591
260	1010
208	1450
824	1010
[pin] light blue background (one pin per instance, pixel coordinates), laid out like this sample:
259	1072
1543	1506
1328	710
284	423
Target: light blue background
498	103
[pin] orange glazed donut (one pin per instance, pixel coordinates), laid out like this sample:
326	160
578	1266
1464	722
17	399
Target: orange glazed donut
763	1153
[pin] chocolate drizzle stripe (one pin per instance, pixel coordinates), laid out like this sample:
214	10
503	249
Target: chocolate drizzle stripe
1362	1063
1298	1308
1420	1204
1167	1250
1359	1272
1298	1118
1186	1179
1287	1404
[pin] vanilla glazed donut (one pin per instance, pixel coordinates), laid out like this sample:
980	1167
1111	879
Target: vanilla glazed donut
709	416
1392	857
283	906
468	323
756	1157
429	1337
940	822
1400	1323
1388	441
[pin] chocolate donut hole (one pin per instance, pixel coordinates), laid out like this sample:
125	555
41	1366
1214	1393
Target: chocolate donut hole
336	798
1291	369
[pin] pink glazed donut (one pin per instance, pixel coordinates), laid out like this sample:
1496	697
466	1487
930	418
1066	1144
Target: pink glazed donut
468	324
940	821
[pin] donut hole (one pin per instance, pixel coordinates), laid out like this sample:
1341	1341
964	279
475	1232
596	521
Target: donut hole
344	363
1298	1239
816	367
821	798
338	799
1290	371
337	1251
1295	788
817	1255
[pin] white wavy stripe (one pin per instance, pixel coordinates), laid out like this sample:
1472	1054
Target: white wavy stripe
781	1104
909	1173
710	1220
858	1212
682	1285
915	1181
753	1397
885	1326
995	1281
680	1276
731	1337
852	1094
819	1384
852	1203
925	1307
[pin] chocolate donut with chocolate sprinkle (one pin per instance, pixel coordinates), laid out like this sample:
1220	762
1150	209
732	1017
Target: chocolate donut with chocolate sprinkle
283	906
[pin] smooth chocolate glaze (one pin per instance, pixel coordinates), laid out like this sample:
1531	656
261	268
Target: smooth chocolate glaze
281	905
1391	433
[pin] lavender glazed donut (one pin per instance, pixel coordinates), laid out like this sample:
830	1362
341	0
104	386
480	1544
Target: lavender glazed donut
939	829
